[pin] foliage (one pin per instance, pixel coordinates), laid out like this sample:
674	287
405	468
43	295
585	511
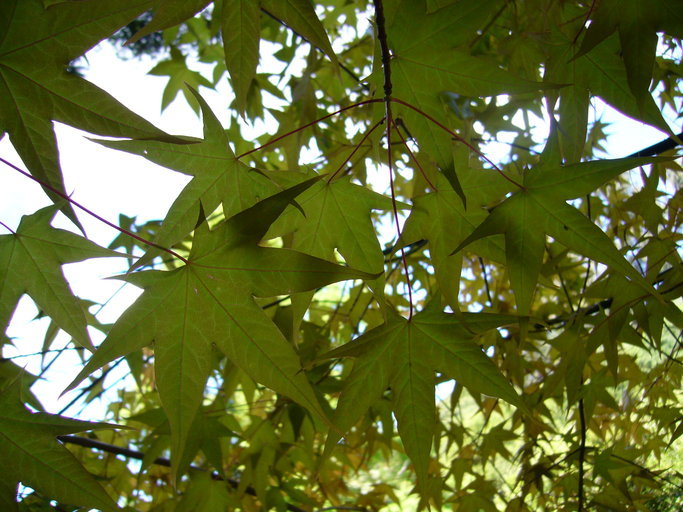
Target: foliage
286	352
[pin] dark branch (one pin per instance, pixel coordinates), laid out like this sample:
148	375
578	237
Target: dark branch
346	69
582	453
660	147
386	57
94	444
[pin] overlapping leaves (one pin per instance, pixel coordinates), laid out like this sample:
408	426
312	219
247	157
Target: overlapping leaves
403	355
218	178
445	57
31	454
539	208
209	303
36	45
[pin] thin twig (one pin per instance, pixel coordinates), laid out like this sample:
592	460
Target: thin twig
91	213
457	137
355	149
308	125
486	281
413	158
94	444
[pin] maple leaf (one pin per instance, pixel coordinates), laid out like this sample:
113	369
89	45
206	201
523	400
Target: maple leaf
241	32
346	206
30	262
218	177
441	219
209	303
204	434
404	355
30	454
539	208
240	28
180	79
602	73
9	372
206	495
638	24
300	16
36	44
430	64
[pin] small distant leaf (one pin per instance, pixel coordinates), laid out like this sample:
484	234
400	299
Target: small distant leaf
179	77
301	17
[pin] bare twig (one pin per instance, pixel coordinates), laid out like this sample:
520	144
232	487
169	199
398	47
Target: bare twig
94	444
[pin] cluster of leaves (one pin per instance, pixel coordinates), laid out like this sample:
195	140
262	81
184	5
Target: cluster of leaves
542	287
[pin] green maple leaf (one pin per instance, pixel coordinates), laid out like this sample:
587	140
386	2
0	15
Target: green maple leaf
209	303
421	76
240	25
168	13
218	177
30	262
347	207
241	32
638	24
441	219
434	61
31	454
540	209
9	372
300	16
600	72
206	495
454	25
36	45
404	355
179	78
205	433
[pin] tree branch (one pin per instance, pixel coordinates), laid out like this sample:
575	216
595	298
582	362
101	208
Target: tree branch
94	444
659	147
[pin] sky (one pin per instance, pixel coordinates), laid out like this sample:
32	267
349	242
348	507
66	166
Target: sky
111	182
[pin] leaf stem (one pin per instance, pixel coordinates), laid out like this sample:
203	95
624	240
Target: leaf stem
355	149
413	158
458	138
583	25
308	125
93	214
7	227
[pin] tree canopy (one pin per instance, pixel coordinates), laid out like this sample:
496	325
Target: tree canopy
375	306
